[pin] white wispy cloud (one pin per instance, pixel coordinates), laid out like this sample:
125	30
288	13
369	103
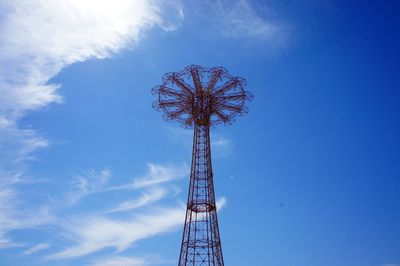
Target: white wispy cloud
90	182
94	233
89	233
160	174
241	19
221	145
221	142
38	38
12	218
5	242
156	174
16	145
221	202
144	199
16	213
36	248
244	19
119	261
94	181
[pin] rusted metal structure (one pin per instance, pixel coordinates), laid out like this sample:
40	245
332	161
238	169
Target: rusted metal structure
200	98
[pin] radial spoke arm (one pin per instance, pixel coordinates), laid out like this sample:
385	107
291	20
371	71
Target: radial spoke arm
233	97
169	103
181	84
176	113
214	79
230	107
222	116
170	92
196	79
227	86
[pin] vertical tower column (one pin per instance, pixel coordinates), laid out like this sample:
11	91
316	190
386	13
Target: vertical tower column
201	243
201	97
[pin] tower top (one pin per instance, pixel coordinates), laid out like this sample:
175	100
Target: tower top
201	95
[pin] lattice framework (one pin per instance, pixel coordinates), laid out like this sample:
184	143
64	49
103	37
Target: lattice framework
200	98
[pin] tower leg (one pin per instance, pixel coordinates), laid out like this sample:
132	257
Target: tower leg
201	244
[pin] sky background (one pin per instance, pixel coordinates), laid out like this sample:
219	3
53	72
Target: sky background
91	175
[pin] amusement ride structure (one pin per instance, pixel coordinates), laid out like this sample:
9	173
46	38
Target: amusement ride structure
200	98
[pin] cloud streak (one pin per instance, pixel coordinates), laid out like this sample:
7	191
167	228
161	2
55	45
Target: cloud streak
156	175
38	38
129	222
11	218
144	199
119	261
37	248
91	182
242	19
96	232
129	261
222	146
160	174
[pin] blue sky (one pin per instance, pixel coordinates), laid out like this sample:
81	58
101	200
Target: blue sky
91	175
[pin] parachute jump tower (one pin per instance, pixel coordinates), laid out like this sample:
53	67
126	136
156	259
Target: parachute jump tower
200	98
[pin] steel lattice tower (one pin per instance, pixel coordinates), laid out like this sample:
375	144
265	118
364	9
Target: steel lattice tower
201	98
